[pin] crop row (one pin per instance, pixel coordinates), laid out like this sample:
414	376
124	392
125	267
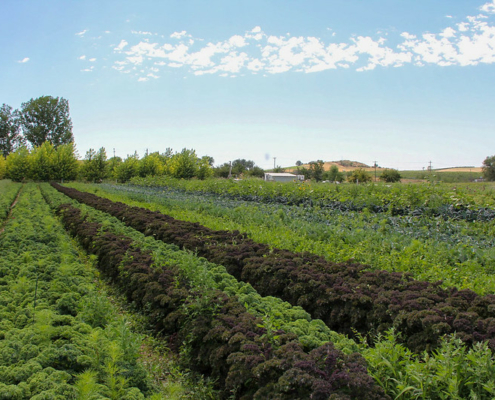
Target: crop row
222	338
460	253
397	199
344	296
59	339
8	193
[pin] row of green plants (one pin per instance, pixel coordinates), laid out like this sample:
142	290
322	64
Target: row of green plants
444	176
405	375
217	335
458	252
60	337
458	202
8	193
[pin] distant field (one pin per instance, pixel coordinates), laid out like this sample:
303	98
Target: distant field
477	169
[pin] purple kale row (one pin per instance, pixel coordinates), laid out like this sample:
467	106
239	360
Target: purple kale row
345	296
225	340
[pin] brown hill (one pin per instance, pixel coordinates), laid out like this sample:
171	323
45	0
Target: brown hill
342	165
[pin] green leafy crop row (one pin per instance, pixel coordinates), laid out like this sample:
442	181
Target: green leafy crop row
60	339
8	193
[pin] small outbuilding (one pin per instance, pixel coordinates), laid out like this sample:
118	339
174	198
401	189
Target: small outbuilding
282	177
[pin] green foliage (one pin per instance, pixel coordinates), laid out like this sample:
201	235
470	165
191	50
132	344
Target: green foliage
46	119
42	162
17	167
3	167
333	174
390	176
204	168
8	193
359	176
489	168
183	165
10	132
128	168
222	171
150	165
112	165
316	170
65	162
94	168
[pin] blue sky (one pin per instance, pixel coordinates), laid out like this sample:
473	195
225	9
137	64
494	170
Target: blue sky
400	82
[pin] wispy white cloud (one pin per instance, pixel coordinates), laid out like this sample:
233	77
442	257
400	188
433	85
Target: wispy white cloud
121	45
83	57
461	43
24	60
488	7
179	35
81	33
141	33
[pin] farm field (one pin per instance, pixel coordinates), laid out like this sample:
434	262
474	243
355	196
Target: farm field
222	301
378	354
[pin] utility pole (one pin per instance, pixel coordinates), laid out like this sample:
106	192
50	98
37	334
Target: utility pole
114	152
230	169
274	159
374	164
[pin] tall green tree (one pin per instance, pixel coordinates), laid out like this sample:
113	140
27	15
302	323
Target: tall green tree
10	130
316	170
489	168
94	168
46	119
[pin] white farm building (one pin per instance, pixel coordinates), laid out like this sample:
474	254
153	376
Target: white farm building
282	177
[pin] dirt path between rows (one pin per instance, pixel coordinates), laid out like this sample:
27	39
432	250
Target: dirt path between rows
2	228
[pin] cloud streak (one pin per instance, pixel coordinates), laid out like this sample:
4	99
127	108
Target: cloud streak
467	43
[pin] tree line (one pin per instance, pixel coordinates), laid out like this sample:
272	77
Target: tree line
37	143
